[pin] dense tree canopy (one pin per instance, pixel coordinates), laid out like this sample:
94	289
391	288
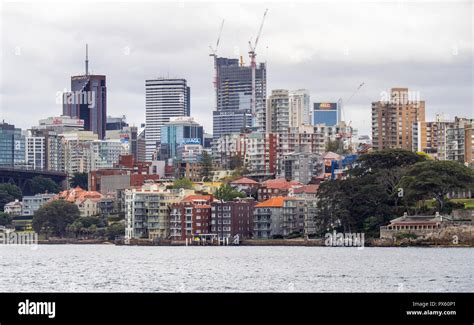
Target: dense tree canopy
226	193
8	193
53	218
79	179
185	183
206	166
435	179
369	196
40	184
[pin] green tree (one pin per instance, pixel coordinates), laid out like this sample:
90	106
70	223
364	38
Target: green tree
5	219
79	179
386	159
40	184
206	166
115	230
8	193
183	183
75	228
226	193
435	179
53	218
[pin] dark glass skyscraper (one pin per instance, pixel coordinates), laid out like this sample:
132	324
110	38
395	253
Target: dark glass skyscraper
233	97
87	100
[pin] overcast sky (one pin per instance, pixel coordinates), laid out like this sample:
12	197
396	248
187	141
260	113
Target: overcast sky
328	47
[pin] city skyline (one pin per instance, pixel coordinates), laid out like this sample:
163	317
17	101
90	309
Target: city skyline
429	50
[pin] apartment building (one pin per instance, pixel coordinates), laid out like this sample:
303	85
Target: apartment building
393	118
231	218
191	216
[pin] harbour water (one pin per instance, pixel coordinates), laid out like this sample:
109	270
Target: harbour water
109	268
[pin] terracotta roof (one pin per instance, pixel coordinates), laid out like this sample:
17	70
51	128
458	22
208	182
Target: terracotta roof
274	202
280	183
310	188
191	198
77	193
244	180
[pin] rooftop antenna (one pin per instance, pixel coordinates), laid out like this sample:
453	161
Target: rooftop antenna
87	60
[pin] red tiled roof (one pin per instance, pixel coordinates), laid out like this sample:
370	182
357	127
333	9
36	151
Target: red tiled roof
310	189
274	202
280	183
244	180
191	198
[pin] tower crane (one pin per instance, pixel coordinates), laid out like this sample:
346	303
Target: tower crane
343	134
214	54
253	65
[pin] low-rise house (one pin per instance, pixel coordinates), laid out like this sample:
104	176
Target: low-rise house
88	207
13	208
275	187
455	228
246	185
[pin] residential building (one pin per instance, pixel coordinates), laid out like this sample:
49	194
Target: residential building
165	98
231	218
35	153
147	210
275	187
32	203
191	216
13	208
299	107
77	151
105	153
246	185
278	111
279	217
460	140
393	118
302	167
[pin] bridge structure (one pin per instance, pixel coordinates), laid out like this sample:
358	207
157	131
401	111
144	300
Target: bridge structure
21	177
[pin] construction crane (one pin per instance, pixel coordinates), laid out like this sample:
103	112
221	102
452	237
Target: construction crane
214	54
253	65
343	133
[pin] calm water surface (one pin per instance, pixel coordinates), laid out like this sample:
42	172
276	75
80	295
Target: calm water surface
108	268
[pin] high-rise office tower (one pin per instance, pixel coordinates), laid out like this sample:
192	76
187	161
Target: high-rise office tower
87	101
165	98
393	118
233	97
12	145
